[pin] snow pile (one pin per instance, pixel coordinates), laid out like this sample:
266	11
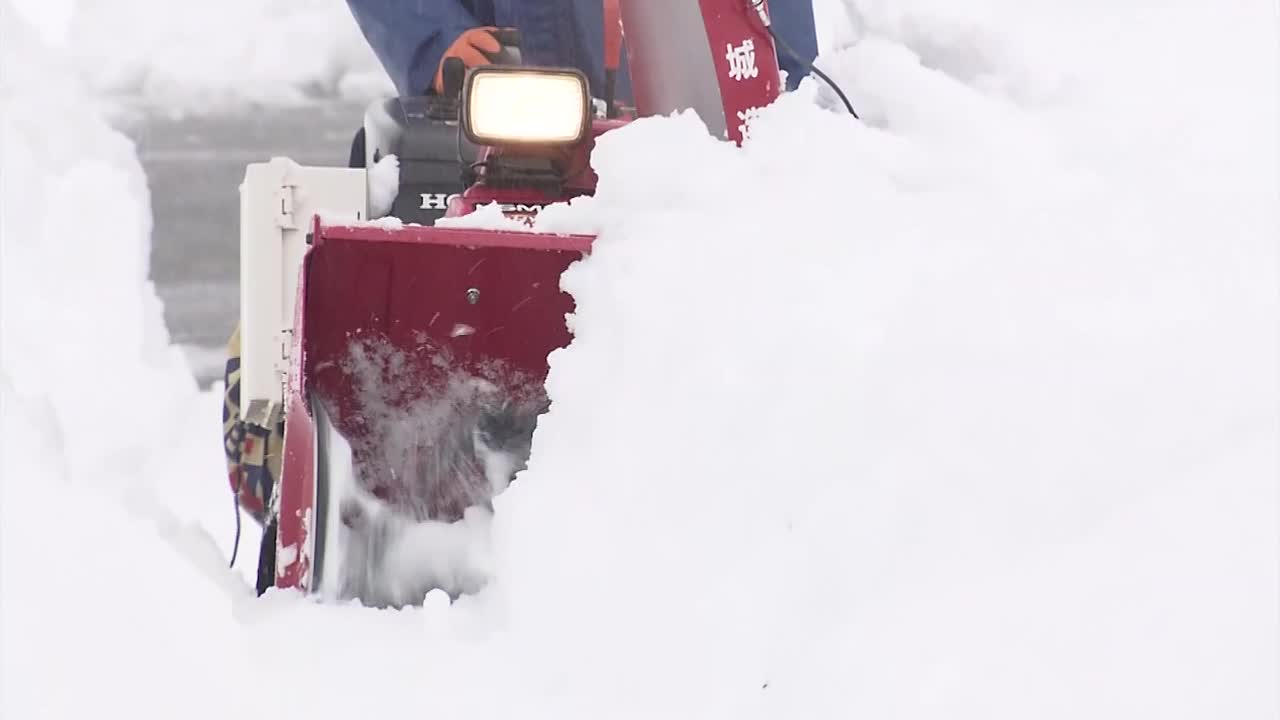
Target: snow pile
966	411
208	56
390	560
96	408
384	185
979	422
485	217
79	308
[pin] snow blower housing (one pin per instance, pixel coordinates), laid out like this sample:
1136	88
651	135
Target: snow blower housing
408	360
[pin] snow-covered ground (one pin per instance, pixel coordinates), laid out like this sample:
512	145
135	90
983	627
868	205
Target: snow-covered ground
969	410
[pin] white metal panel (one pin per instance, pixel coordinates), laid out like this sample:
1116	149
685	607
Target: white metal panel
278	200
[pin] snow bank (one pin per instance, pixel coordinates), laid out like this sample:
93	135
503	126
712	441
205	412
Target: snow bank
971	413
966	411
82	323
109	462
976	420
209	56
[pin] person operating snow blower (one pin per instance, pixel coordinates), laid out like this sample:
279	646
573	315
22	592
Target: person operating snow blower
414	41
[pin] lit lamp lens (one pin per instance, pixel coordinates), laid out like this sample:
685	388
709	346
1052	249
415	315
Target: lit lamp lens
526	107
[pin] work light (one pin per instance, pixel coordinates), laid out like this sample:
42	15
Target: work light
522	106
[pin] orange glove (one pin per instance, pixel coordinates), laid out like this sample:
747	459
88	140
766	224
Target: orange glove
473	47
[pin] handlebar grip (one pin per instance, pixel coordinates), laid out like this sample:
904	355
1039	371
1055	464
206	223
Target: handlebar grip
509	53
508	37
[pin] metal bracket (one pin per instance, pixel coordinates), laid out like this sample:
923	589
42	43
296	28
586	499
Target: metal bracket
284	201
286	349
263	413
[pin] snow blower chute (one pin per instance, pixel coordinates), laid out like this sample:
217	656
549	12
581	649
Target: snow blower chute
406	361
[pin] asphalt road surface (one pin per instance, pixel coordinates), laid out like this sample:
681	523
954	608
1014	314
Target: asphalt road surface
194	168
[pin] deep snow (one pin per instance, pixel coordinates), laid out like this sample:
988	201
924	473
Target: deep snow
199	57
966	411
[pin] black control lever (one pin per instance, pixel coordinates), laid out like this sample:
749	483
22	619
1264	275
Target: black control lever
453	73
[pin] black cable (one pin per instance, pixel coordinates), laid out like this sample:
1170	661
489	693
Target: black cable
758	6
469	174
813	69
235	548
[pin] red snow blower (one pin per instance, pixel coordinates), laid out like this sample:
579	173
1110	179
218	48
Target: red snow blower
406	361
